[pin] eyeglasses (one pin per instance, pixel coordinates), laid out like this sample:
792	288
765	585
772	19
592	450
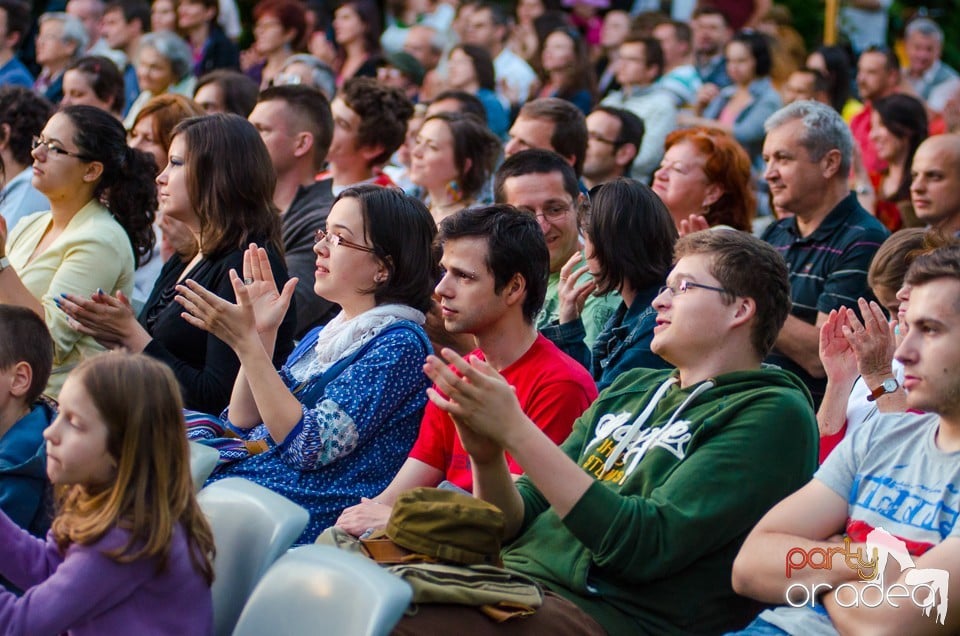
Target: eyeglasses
686	285
49	146
335	239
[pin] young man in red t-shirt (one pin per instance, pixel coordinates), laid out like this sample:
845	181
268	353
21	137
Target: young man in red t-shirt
496	264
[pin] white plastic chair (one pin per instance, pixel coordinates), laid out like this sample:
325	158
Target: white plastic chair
318	589
252	526
203	459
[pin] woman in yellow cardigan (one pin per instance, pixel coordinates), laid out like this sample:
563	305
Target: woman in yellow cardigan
98	228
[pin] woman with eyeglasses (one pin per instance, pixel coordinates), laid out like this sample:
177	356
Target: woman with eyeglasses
97	231
338	420
452	159
218	182
629	238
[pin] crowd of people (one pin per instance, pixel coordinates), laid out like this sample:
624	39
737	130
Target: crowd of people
681	301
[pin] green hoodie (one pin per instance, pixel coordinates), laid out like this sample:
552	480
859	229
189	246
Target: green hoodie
682	476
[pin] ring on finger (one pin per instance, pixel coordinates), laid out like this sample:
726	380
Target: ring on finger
248	281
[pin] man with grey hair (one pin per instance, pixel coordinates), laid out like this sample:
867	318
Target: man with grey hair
828	239
60	39
933	80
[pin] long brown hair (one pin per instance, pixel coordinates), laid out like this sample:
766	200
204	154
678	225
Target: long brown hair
230	182
138	399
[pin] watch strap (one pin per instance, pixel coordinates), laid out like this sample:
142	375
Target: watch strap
882	390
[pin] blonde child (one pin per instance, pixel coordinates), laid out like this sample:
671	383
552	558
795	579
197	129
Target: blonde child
129	551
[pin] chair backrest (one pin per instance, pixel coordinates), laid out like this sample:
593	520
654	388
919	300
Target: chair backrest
321	589
252	527
203	459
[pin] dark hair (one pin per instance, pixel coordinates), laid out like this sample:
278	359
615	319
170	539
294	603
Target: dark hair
839	74
311	110
889	265
579	76
631	129
473	142
383	112
891	63
681	31
402	232
126	185
132	10
821	83
748	267
569	136
652	50
515	245
632	234
239	91
207	4
24	337
534	161
906	118
167	110
291	15
498	15
18	18
25	113
469	104
369	14
709	9
104	79
759	47
482	64
230	181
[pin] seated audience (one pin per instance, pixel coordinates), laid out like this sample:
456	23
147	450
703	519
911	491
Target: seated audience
296	125
452	160
123	25
680	76
226	91
226	205
470	69
857	352
706	173
488	26
614	521
17	19
211	47
931	79
278	30
503	254
868	492
614	137
97	230
60	39
834	62
543	184
356	32
566	71
628	248
549	123
163	65
163	16
128	532
22	116
95	81
935	183
336	423
805	83
26	357
309	71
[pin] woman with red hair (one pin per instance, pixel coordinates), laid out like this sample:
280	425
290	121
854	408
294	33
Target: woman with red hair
706	172
278	32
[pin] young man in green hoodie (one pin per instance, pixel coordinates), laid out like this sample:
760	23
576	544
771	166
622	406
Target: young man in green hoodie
636	519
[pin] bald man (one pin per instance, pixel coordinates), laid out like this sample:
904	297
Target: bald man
935	186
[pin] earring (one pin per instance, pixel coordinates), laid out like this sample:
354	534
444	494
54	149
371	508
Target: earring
454	193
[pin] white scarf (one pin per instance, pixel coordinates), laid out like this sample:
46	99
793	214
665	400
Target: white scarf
341	337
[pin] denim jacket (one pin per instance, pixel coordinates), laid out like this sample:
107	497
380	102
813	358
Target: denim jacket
623	344
748	126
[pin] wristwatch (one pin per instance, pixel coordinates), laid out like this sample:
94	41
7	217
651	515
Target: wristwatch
4	263
889	385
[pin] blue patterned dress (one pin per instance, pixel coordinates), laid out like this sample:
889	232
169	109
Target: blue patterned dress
353	437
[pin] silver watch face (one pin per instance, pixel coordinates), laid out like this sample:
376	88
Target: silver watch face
890	385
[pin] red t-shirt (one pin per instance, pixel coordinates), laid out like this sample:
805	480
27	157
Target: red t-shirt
553	389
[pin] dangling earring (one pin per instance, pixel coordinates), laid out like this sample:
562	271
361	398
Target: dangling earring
454	193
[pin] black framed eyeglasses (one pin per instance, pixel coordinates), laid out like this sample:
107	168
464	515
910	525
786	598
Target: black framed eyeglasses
335	239
684	286
50	147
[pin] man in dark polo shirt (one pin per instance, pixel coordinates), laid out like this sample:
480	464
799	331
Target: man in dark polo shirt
829	241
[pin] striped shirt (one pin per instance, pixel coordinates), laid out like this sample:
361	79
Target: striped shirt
828	268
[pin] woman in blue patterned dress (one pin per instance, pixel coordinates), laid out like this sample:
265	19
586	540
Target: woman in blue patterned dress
336	423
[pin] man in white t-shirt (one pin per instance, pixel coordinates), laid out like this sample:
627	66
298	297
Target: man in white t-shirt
489	27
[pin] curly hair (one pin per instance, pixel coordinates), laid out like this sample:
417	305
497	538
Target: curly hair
383	112
126	186
24	113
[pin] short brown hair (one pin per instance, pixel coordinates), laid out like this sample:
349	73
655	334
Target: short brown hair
940	263
889	265
569	138
747	267
24	338
383	112
167	110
